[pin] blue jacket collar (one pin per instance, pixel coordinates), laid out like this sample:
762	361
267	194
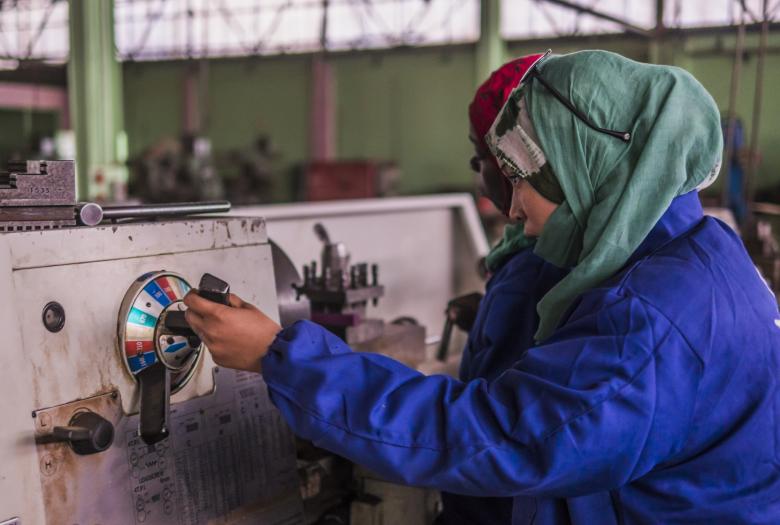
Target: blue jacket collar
684	213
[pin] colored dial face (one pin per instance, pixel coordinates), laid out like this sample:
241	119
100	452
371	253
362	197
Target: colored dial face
143	335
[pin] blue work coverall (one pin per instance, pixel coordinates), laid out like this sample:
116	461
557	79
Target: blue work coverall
655	401
503	330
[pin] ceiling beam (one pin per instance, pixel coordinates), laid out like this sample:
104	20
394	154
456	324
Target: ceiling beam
604	16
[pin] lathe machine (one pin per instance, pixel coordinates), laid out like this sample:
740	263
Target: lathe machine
113	411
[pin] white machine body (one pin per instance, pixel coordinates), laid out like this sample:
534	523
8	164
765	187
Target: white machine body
229	458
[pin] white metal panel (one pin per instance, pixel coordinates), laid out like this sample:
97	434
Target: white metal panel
81	360
19	470
461	203
88	271
427	248
80	245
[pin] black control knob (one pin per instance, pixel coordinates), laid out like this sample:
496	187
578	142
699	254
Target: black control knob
87	433
176	324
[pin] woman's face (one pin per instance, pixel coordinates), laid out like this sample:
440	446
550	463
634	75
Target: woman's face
530	207
527	204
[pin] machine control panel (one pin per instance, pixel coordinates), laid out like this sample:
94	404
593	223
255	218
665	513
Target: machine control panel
144	337
88	375
158	346
161	356
229	457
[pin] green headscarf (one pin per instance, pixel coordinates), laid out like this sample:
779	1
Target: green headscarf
615	191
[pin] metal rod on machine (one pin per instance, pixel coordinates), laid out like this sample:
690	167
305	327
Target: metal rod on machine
750	176
736	73
164	210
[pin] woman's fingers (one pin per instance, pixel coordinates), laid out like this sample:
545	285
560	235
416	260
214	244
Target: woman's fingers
204	307
237	336
235	301
201	306
197	323
193	319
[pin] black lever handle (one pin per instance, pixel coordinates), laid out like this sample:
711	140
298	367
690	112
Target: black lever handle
155	384
155	380
87	433
444	342
214	289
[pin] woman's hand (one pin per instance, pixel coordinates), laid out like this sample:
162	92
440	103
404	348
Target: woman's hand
237	336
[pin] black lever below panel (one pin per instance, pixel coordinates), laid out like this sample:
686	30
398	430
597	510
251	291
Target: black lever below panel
155	384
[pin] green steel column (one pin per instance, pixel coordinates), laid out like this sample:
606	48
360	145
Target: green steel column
658	46
95	92
491	48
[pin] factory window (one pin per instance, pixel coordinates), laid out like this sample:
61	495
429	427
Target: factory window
166	29
160	29
702	13
537	18
541	18
33	30
389	23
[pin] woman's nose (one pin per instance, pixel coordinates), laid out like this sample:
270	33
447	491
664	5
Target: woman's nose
516	209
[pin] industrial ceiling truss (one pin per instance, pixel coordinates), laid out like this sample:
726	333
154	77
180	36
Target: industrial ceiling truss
33	30
160	29
181	29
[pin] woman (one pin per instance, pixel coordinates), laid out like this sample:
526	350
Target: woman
651	395
506	321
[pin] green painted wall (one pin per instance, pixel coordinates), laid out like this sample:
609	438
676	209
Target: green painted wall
153	103
20	129
248	97
710	60
244	98
407	105
632	47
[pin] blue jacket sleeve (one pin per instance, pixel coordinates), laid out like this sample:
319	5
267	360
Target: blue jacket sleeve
507	320
608	398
